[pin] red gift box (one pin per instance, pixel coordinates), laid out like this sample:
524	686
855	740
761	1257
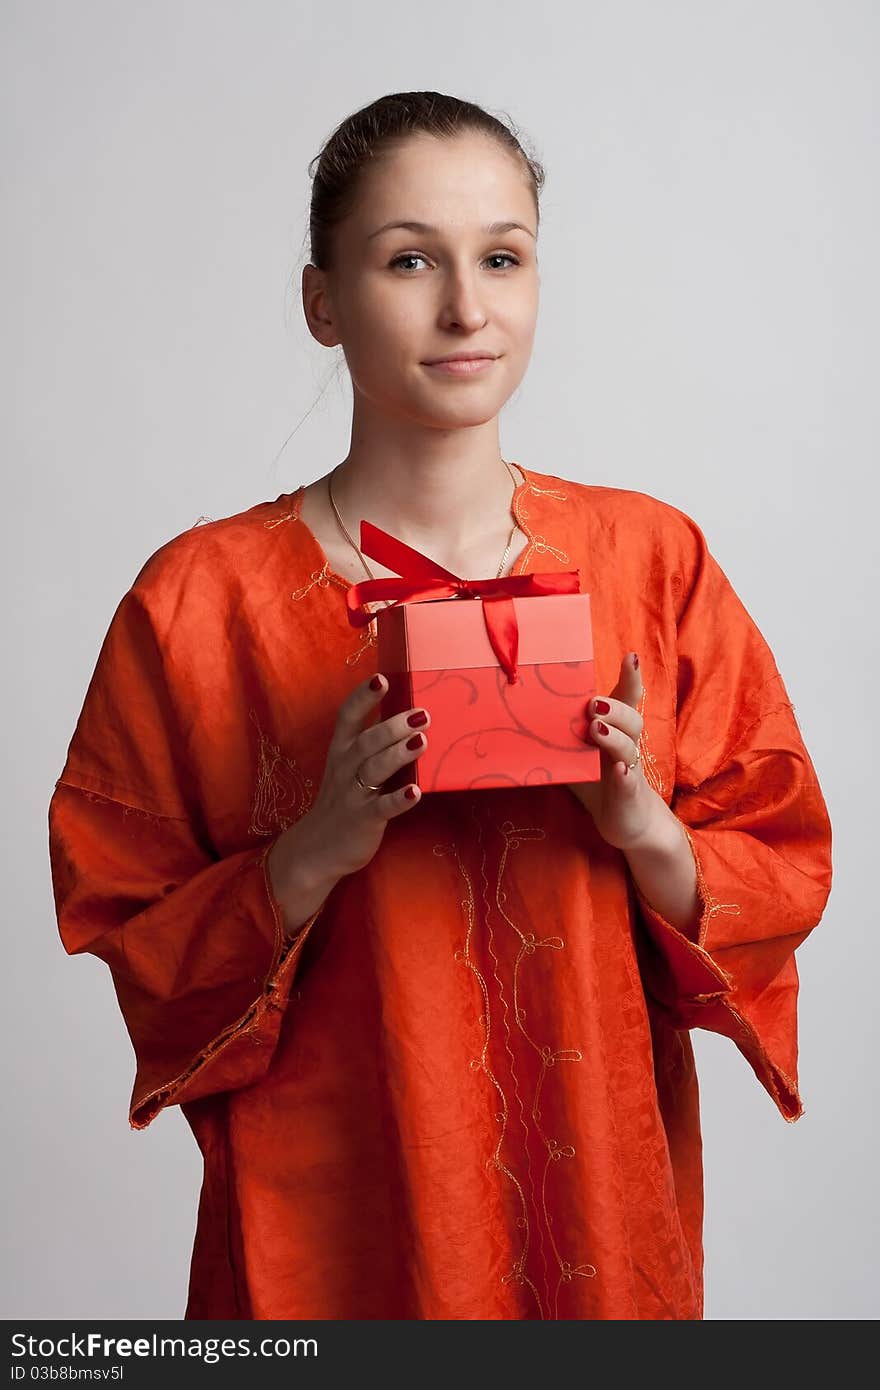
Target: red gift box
503	666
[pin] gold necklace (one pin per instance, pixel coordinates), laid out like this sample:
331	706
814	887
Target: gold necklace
356	547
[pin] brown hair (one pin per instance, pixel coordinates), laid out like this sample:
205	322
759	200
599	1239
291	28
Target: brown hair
369	133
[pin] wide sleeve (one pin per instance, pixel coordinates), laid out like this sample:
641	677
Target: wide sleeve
748	798
195	942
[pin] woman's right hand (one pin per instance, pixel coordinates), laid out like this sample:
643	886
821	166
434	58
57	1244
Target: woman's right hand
345	825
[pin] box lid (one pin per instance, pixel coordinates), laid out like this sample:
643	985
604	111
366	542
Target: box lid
444	633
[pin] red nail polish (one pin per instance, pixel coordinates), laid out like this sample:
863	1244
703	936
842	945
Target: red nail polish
603	707
635	661
410	793
376	683
603	728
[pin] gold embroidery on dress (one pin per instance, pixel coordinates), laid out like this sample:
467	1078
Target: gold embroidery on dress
123	806
283	793
711	904
529	943
539	492
518	1271
536	543
321	577
368	640
556	492
543	547
513	835
650	766
750	1040
481	1064
324	578
277	520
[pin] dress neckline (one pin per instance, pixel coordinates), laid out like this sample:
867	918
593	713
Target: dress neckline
324	567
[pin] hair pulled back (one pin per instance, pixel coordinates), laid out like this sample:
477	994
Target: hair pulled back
366	135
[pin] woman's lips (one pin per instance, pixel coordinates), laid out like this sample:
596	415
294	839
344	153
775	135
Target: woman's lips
465	366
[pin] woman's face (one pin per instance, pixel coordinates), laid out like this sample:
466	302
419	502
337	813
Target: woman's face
398	297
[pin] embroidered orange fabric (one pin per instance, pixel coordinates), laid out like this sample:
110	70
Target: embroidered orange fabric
466	1089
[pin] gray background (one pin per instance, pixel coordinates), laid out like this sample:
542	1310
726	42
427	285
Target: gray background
708	334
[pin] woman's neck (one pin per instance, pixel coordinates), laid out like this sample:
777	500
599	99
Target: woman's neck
431	501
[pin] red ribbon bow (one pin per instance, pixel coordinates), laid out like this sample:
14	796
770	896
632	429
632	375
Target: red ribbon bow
423	579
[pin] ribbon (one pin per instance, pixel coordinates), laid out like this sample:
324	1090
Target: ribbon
422	579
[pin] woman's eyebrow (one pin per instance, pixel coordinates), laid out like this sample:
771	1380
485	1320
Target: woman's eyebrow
494	228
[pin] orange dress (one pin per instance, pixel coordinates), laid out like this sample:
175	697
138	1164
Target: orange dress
466	1089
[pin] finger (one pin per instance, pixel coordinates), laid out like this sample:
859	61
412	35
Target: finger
629	685
617	713
616	745
631	672
378	767
395	803
356	707
389	732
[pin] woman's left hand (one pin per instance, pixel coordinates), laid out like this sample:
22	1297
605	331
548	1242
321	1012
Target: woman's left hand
622	804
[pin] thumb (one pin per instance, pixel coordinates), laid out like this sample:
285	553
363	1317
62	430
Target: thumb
629	687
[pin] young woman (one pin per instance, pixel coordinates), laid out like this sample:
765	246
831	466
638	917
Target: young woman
435	1048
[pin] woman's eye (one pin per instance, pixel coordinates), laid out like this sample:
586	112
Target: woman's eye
415	256
406	257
